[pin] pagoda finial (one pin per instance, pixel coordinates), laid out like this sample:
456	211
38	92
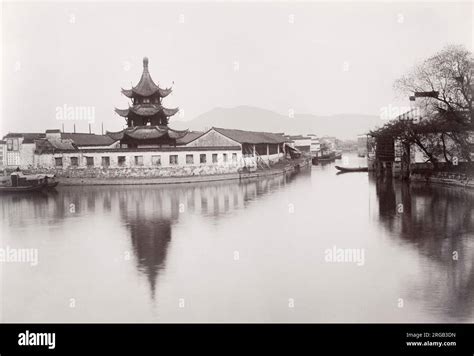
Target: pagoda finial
145	62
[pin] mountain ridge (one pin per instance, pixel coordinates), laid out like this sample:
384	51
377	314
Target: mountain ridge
245	117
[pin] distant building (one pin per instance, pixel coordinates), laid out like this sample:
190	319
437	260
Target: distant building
362	145
330	142
315	149
303	143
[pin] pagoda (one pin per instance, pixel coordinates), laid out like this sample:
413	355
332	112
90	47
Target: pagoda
147	120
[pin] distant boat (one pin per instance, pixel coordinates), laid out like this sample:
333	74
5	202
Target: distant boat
326	156
354	169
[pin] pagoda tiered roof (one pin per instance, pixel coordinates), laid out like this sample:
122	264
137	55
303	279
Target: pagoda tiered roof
130	93
148	133
146	86
146	110
146	98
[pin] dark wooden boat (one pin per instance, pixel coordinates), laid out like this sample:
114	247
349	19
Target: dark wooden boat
355	169
21	189
20	182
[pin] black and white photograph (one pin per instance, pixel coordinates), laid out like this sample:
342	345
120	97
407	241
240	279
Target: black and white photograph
254	163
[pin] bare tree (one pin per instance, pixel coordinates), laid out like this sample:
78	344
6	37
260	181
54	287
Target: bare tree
442	85
444	81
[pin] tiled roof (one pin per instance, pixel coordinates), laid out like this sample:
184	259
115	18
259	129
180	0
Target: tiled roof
170	112
118	135
191	136
53	131
146	86
297	137
87	139
163	92
251	137
146	110
27	137
152	132
79	139
47	145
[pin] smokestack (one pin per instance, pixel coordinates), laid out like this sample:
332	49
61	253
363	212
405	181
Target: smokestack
102	127
63	127
89	128
74	128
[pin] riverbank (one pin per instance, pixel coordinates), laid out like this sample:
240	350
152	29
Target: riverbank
277	169
445	178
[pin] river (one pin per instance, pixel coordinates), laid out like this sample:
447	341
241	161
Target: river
254	251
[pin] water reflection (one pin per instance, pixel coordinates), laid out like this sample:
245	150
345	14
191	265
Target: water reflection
181	239
438	223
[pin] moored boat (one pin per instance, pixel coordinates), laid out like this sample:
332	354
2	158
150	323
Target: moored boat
351	169
19	182
22	189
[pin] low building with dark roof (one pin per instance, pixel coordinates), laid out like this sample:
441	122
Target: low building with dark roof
227	148
19	148
266	145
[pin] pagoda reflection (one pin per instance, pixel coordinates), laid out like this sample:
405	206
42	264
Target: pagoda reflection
149	214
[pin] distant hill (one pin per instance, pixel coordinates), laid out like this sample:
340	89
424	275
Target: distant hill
344	126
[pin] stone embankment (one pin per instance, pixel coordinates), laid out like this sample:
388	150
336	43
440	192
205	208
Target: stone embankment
137	175
446	178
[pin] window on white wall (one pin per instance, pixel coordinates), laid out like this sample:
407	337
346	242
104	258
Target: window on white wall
105	161
90	161
13	144
173	159
138	160
156	160
16	145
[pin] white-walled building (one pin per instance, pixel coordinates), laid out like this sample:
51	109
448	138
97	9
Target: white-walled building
226	150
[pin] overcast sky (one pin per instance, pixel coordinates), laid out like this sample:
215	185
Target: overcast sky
315	58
